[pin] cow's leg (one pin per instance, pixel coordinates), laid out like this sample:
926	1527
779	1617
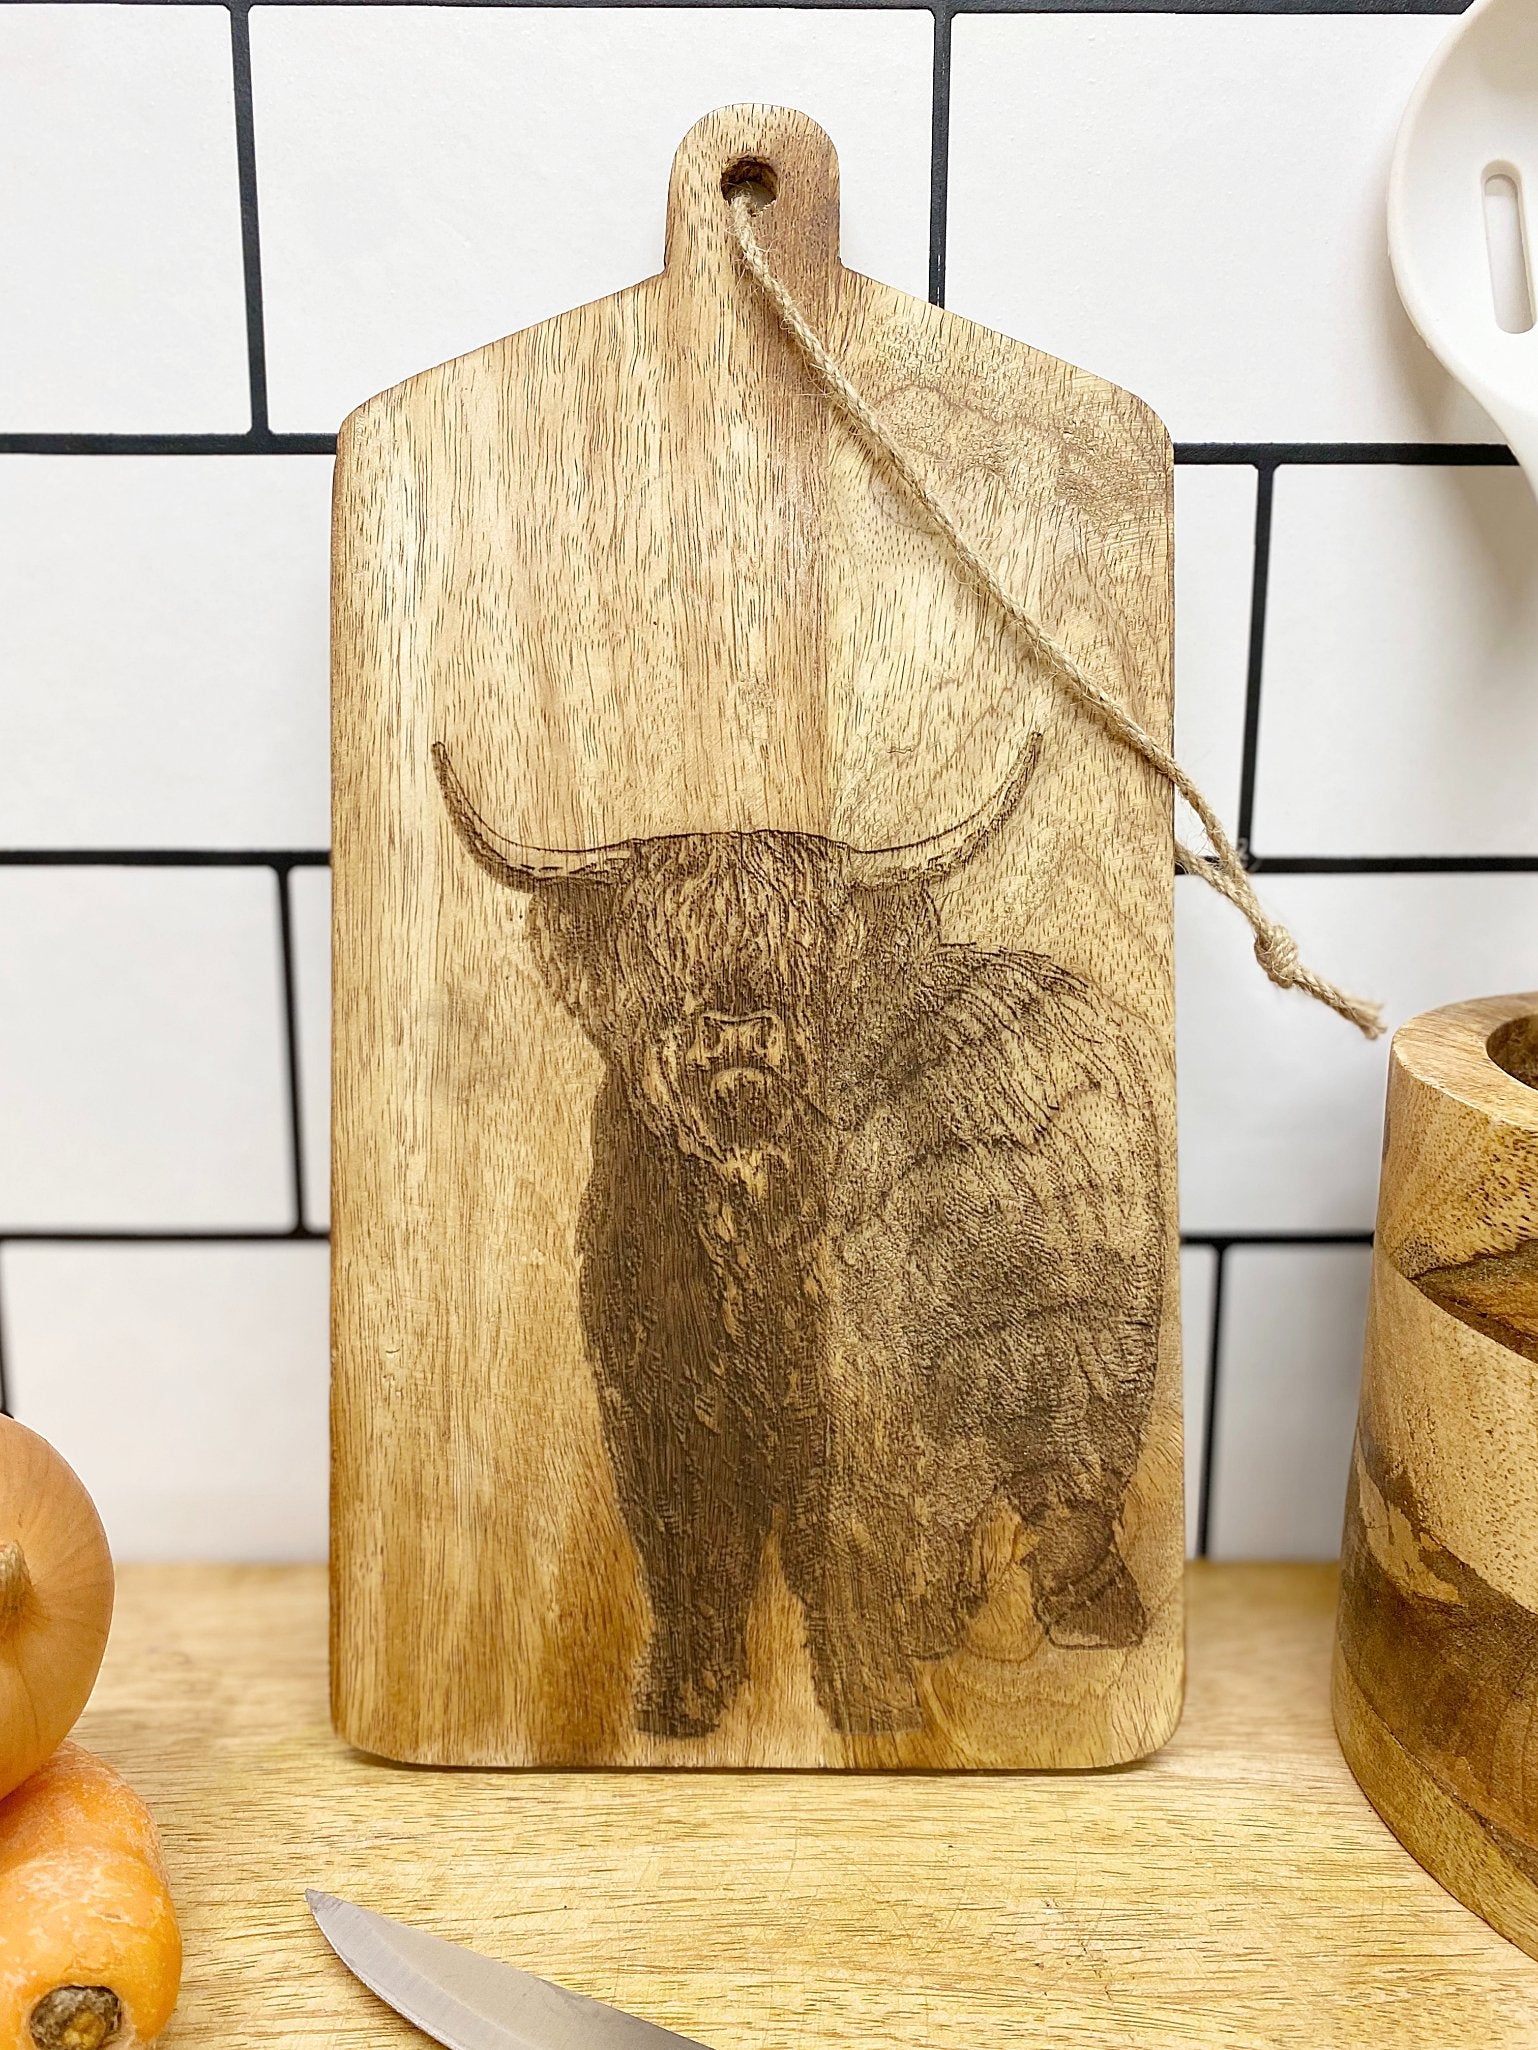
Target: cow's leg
847	1552
678	1421
1084	1591
863	1675
1071	1469
692	1494
1081	1585
700	1572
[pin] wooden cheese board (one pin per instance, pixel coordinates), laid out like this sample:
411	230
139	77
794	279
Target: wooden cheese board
755	1322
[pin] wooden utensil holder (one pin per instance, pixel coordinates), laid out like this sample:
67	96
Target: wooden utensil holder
1436	1664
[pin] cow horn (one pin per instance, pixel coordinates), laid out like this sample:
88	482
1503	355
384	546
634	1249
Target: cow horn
509	861
942	854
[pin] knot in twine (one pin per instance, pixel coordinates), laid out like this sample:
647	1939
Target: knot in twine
1277	952
1275	948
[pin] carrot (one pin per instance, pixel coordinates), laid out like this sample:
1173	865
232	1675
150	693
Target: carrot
90	1953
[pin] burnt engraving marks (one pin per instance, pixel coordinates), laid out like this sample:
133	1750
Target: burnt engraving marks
872	1249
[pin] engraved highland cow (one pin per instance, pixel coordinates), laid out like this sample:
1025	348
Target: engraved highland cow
871	1251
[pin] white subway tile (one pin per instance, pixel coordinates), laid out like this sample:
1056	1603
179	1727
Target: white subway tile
1214	567
1281	1103
186	1384
1193	205
1293	1323
124	301
163	629
142	1071
1400	706
434	177
1198	1280
310	897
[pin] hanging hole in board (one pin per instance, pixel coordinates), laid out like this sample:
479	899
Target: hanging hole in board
1511	272
754	177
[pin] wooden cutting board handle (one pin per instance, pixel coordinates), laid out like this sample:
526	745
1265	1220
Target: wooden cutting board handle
771	149
1436	1667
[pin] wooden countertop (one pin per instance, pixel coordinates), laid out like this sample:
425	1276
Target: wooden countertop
1236	1891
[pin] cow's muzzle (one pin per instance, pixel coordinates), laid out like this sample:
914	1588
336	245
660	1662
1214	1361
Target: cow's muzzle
724	1042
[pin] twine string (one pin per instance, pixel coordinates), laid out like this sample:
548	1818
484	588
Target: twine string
1275	948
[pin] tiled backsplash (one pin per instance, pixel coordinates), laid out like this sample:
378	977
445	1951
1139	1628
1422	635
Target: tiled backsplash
1192	203
221	228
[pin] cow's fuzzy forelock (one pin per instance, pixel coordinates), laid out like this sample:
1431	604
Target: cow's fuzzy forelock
738	916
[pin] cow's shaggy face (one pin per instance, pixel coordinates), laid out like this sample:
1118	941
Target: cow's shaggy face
717	974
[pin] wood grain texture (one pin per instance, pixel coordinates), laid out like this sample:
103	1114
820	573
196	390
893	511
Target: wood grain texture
1235	1893
755	1329
1436	1676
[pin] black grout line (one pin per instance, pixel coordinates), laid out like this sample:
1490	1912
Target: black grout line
1381	864
1210	1417
1265	485
250	229
164	857
1393	864
1222	1244
1225	1241
281	874
264	443
1477	455
1269	454
940	152
319	857
283	1235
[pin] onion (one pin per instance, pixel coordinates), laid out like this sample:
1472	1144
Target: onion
55	1600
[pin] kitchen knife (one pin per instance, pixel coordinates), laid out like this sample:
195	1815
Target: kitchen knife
470	2002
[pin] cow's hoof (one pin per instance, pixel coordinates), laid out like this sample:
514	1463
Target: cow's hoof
884	1720
1107	1615
856	1706
668	1707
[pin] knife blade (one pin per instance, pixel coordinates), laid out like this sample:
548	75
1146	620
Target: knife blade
470	2002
